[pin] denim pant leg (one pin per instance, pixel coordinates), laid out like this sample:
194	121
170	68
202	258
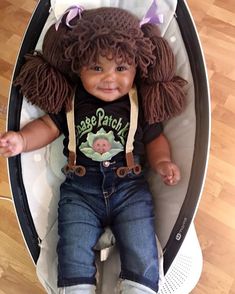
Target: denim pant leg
79	229
133	227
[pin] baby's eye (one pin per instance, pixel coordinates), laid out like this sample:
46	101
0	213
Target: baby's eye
96	68
121	68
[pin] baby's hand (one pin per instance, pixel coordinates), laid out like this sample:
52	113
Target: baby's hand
169	172
11	144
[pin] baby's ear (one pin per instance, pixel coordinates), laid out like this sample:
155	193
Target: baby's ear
162	91
43	85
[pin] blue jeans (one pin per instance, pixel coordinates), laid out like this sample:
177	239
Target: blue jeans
90	203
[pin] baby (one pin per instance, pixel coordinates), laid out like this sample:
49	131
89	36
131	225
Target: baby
101	71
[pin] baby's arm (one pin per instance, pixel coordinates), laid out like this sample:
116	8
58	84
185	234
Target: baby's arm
34	135
159	157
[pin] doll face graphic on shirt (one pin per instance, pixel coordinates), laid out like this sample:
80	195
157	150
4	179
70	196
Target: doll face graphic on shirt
101	145
107	79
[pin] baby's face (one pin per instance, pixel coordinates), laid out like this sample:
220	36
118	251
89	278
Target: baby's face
108	80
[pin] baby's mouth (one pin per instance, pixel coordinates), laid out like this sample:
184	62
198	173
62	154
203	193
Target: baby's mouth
107	89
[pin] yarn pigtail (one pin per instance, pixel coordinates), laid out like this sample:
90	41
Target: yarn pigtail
162	91
44	78
43	85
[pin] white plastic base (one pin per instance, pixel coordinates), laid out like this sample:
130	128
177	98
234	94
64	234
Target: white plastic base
186	268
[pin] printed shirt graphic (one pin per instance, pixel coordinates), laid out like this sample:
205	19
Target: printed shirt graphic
101	146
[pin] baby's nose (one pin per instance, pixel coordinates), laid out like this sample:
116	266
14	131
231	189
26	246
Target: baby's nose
109	76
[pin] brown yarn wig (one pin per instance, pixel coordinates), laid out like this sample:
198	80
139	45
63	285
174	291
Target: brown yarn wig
48	79
109	31
113	31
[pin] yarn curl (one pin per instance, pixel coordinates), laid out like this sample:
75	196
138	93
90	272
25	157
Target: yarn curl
162	91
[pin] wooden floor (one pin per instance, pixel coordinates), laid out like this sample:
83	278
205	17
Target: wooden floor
215	220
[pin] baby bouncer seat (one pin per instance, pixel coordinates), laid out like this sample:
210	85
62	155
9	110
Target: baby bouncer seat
35	176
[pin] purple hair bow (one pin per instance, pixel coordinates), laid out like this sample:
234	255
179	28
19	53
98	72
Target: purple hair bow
72	11
152	16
